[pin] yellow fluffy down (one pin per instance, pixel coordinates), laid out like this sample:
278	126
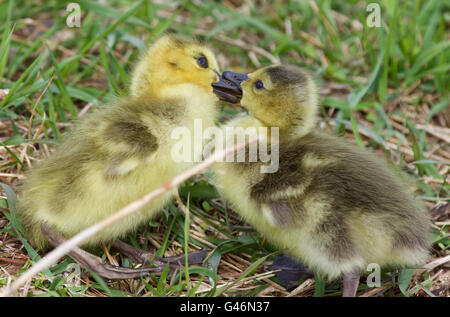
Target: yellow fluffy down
122	151
330	205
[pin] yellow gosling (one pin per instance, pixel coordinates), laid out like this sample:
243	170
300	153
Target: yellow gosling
331	205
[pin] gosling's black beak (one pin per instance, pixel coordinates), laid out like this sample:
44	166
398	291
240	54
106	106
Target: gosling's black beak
228	87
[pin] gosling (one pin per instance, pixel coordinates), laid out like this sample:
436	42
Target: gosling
122	151
330	205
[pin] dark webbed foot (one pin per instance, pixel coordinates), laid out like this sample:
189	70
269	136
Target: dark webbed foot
290	271
109	271
351	282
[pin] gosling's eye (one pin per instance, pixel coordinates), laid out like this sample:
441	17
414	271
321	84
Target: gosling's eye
202	61
259	84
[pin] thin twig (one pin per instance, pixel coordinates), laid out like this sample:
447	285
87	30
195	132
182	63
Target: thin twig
305	286
33	111
376	291
19	176
434	264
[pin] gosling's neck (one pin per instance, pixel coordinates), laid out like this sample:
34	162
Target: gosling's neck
293	130
299	131
303	106
302	120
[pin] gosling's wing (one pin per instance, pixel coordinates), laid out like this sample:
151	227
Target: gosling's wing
108	142
122	140
318	164
126	144
279	194
292	199
132	132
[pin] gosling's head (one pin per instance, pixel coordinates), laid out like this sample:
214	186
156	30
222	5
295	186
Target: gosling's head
173	60
282	96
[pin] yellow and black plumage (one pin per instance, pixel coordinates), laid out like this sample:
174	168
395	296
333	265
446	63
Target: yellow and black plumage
330	205
122	150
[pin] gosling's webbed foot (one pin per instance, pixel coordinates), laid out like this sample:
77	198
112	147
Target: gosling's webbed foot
351	282
145	257
290	271
96	264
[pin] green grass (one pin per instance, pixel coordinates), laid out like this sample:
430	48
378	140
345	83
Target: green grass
394	82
